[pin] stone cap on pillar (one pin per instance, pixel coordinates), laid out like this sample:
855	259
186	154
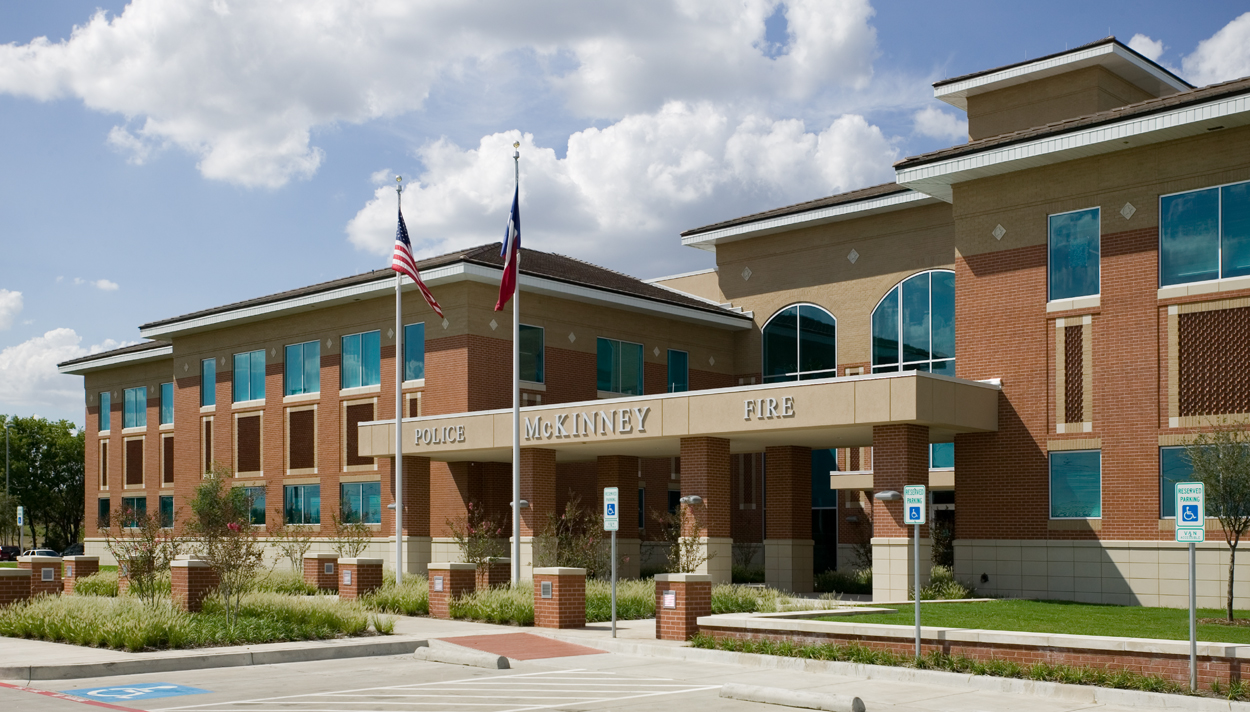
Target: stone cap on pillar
356	561
498	560
683	578
39	559
321	555
189	563
559	571
452	566
84	559
15	573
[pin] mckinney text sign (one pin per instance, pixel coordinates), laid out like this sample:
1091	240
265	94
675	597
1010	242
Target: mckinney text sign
586	424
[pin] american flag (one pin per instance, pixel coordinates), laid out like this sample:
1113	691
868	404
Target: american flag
403	262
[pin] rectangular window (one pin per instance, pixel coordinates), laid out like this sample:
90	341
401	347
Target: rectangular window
678	371
642	508
167	403
1076	484
102	513
302	504
1204	234
208	382
256	499
167	460
301	439
106	403
1074	249
353	415
135	408
167	511
206	444
942	456
134	509
361	502
1174	466
104	465
247	443
362	360
619	367
133	466
249	376
674	501
414	352
303	368
532	353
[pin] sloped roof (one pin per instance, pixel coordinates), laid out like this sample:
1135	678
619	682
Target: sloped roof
839	199
132	349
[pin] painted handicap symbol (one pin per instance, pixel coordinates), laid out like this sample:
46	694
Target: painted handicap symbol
143	691
127	693
1189	512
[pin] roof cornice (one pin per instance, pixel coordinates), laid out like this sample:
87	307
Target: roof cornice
77	367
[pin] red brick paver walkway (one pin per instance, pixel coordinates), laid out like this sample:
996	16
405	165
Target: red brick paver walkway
522	646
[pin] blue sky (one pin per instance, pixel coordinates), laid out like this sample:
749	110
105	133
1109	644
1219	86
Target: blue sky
168	157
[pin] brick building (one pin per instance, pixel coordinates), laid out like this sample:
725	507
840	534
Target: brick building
1032	324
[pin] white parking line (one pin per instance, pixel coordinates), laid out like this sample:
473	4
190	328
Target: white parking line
522	692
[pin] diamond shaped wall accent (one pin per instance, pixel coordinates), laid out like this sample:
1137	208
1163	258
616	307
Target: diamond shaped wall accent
853	256
446	323
1128	210
572	337
711	361
999	231
493	325
656	351
746	273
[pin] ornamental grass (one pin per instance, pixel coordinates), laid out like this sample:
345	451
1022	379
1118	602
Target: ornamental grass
500	604
101	583
410	598
635	600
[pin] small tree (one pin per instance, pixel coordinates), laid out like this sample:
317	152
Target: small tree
479	535
680	531
351	538
221	523
143	549
1221	461
291	541
574	538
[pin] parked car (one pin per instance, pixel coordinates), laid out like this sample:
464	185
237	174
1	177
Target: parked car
39	552
73	550
9	553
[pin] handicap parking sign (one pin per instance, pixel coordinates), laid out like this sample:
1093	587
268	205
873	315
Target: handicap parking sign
913	504
139	691
913	513
611	509
1189	513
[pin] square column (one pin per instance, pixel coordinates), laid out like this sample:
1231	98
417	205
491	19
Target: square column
417	541
900	457
45	574
321	570
559	597
191	581
538	487
78	567
705	471
450	491
358	577
447	581
788	532
680	600
621	471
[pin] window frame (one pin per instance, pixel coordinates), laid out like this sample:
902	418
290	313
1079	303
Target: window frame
343	359
1219	223
208	395
408	340
343	498
140	416
247	492
234	376
642	366
134	523
303	368
103	507
167	402
900	365
799	374
303	491
1050	484
669	362
1049	296
943	468
160	510
104	418
542	353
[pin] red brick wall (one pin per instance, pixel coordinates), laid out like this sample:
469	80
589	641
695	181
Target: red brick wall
73	570
457	581
789	492
358	577
315	574
190	585
693	599
567	606
37	584
14	589
902	458
538	487
705	472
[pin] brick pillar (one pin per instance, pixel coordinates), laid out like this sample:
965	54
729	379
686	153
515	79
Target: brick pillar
559	597
447	581
321	570
451	489
497	571
621	471
191	581
788	535
45	576
358	577
77	567
680	599
123	577
705	471
417	540
538	487
14	585
900	457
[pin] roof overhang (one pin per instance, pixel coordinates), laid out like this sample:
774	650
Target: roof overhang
1118	59
455	272
820	216
80	367
936	178
835	412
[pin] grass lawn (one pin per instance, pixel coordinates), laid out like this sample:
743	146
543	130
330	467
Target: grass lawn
1065	617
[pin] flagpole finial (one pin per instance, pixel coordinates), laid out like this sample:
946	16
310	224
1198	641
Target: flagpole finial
399	184
516	149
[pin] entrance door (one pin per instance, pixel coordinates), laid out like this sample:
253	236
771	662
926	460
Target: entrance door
824	512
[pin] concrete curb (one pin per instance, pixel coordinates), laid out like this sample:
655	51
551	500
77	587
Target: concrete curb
1053	690
452	654
321	650
792	698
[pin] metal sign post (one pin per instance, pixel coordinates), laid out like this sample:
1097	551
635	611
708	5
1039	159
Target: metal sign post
914	507
21	520
611	523
1191	528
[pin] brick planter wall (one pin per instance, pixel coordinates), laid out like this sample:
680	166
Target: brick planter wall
566	606
358	577
316	573
496	572
191	581
14	585
691	597
76	567
448	580
123	581
38	565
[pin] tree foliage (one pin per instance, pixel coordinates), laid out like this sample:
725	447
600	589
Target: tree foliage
223	534
143	549
574	538
479	535
46	477
291	540
1221	462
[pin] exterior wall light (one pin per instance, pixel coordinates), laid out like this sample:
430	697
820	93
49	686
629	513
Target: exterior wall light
888	496
691	499
523	504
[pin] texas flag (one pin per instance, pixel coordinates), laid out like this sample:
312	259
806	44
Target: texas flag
511	252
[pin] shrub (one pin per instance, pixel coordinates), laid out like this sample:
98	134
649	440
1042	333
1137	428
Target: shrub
479	535
635	600
857	582
680	531
743	574
501	604
290	583
144	548
943	587
221	523
576	539
411	598
101	583
351	538
734	598
291	540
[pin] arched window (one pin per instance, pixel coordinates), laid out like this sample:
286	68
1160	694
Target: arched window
913	326
800	343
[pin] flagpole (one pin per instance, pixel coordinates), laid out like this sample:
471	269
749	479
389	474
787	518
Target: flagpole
399	411
516	395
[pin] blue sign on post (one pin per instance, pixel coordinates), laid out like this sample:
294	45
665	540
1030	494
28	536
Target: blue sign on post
914	504
140	691
1191	517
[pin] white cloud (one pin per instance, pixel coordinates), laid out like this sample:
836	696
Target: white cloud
1149	48
242	86
619	192
104	285
10	307
28	375
1221	57
933	122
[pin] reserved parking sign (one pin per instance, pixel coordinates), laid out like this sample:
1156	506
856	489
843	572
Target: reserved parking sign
913	504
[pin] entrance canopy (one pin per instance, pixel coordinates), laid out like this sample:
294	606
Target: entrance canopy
834	412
